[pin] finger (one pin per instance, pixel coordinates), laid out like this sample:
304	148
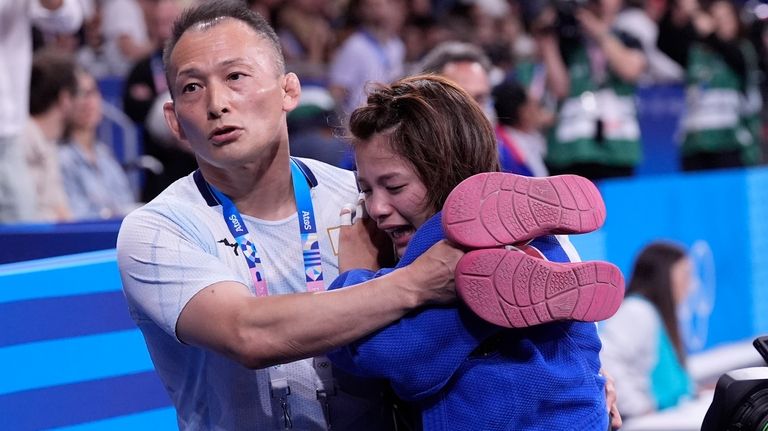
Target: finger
360	212
346	214
616	421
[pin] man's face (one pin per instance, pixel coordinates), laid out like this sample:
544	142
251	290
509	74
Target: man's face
471	77
230	100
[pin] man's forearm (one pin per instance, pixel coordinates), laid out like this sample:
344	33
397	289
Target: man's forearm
286	328
262	331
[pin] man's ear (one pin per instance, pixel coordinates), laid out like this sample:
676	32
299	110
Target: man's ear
173	121
291	91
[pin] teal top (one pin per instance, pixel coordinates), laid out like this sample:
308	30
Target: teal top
670	383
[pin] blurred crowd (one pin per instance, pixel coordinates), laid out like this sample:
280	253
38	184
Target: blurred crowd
557	78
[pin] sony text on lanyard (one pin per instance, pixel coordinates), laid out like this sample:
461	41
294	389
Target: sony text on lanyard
313	269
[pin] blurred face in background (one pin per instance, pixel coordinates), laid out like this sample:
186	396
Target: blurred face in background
472	78
163	14
388	15
681	275
86	111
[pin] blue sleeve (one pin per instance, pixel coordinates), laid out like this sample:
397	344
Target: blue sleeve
419	353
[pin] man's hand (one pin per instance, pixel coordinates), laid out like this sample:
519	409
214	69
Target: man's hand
593	26
610	400
433	273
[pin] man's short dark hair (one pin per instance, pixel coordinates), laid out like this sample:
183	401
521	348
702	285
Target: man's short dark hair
53	72
208	14
508	98
453	52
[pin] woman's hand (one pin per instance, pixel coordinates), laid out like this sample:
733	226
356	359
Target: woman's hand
610	400
361	244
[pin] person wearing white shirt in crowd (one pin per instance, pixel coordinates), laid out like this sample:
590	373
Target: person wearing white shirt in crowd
17	199
373	53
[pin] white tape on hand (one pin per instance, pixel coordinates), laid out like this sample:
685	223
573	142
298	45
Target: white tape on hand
346	214
360	212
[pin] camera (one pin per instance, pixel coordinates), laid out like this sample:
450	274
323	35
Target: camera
740	402
564	25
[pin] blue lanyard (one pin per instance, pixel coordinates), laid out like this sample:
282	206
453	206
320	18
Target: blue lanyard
313	269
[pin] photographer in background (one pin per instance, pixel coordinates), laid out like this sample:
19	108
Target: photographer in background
591	69
721	127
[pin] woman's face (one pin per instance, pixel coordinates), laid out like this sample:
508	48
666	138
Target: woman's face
395	197
681	279
87	110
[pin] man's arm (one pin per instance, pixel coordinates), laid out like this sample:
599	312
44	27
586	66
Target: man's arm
262	331
628	63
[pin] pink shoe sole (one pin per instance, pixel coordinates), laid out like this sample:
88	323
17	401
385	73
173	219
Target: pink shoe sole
512	289
492	209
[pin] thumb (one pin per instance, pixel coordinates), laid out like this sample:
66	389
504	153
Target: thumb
346	214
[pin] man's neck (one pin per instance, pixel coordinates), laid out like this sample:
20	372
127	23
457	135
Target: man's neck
260	189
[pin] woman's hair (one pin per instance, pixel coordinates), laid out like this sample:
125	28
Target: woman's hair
652	278
434	125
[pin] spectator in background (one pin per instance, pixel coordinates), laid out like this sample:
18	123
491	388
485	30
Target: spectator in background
721	70
265	8
52	90
642	345
422	31
306	36
126	35
591	69
636	18
520	121
95	183
311	132
374	52
90	53
17	194
146	87
467	65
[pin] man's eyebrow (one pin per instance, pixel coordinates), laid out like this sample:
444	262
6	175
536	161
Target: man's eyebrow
231	61
192	71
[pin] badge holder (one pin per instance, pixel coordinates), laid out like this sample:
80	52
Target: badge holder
280	390
325	385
